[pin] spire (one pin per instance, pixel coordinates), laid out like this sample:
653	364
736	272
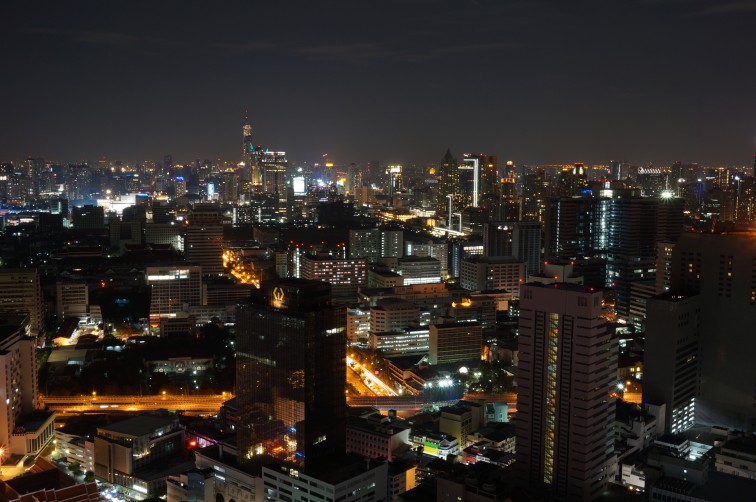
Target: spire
449	158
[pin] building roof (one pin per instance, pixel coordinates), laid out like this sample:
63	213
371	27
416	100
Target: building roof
745	445
139	425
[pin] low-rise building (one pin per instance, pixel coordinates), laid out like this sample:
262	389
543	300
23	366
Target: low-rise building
376	435
140	453
350	478
738	456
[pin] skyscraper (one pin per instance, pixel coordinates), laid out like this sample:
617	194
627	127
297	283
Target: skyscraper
671	359
721	268
291	352
448	186
249	171
567	371
20	291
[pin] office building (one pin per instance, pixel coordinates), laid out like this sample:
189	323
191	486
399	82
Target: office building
449	199
401	342
174	288
480	273
164	233
273	166
346	276
722	270
393	314
671	359
374	435
375	243
636	225
349	479
576	227
20	292
203	239
433	248
455	342
291	352
24	430
88	218
567	372
419	270
140	453
71	299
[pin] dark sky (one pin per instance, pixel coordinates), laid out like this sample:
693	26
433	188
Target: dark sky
389	80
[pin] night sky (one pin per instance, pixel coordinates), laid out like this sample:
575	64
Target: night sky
387	80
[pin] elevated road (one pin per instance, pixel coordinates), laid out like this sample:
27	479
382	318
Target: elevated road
193	404
384	403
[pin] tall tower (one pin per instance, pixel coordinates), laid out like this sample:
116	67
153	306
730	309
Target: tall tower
251	171
291	352
448	185
567	371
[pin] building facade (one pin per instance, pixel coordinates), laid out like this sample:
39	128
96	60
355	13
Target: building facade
567	372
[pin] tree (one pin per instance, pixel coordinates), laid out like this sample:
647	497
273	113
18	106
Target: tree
75	469
89	477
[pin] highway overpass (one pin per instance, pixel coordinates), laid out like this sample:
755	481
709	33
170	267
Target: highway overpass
192	404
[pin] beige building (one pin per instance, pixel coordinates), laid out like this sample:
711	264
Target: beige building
480	273
567	372
455	342
20	292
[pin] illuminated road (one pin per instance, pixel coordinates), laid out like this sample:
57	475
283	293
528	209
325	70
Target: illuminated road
199	404
371	379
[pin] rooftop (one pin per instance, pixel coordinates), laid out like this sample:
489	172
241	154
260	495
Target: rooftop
139	425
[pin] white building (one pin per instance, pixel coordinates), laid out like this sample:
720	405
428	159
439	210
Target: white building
376	435
71	299
350	479
481	273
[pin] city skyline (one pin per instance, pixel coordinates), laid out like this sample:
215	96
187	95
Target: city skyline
535	82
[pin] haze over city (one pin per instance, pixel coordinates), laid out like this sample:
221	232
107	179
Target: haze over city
399	81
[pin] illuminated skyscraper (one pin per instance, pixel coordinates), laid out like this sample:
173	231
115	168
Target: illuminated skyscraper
250	171
567	372
21	292
291	352
273	166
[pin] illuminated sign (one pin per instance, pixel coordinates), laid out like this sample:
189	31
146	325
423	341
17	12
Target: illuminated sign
278	297
298	184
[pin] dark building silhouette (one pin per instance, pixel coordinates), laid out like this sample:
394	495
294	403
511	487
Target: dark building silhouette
291	350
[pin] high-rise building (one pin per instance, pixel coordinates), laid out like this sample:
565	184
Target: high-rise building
721	268
636	225
453	342
480	273
71	299
576	227
488	166
291	352
273	166
393	314
18	390
203	239
374	243
250	171
20	292
346	276
129	453
671	358
174	289
566	375
534	195
419	270
448	185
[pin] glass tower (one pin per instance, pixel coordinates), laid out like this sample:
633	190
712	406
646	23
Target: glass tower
291	350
